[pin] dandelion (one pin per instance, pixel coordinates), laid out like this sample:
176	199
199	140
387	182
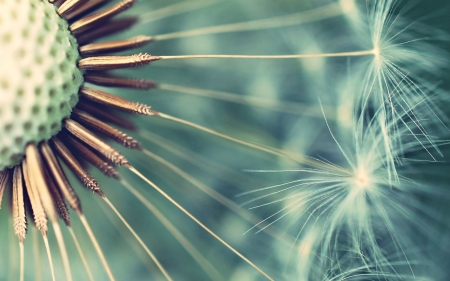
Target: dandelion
61	103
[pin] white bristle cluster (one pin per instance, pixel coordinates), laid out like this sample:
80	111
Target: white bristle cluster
39	78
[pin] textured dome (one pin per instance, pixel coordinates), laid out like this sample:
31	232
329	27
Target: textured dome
39	78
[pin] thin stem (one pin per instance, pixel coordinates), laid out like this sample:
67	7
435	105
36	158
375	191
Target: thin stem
220	171
22	261
152	256
12	251
296	56
37	256
312	15
216	196
289	155
80	251
285	107
62	249
97	247
49	255
133	246
196	255
192	217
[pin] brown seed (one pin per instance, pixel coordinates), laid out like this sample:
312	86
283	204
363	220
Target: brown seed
114	46
115	62
38	183
111	81
18	205
107	28
115	101
93	123
103	113
88	155
86	9
94	142
40	219
75	166
60	205
89	21
70	6
57	174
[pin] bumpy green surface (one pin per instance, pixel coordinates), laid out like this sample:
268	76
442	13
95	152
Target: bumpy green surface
39	78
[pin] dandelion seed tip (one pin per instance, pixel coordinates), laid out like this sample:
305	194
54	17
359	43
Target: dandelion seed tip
144	39
362	179
100	193
116	62
376	51
92	184
67	222
150	111
133	144
377	54
110	172
149	57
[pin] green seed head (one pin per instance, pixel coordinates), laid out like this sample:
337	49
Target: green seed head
39	78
